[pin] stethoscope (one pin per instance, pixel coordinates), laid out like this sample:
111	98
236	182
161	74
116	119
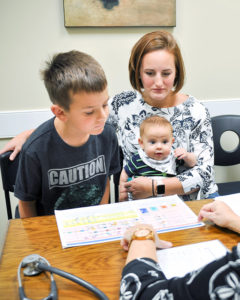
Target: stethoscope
34	264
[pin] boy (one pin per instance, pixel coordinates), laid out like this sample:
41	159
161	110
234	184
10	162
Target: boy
68	159
156	156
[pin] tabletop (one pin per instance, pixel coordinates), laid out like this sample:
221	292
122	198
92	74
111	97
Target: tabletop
99	264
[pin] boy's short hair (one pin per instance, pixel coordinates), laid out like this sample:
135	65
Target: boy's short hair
157	40
72	72
156	120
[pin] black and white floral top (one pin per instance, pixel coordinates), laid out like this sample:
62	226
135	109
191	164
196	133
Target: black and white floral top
142	279
191	128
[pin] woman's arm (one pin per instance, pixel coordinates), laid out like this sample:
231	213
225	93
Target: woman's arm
139	249
142	248
221	214
142	277
16	143
200	142
141	187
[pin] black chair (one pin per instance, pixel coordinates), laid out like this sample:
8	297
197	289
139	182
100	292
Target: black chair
8	173
116	177
221	124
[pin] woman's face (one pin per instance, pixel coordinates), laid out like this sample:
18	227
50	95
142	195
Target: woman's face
157	74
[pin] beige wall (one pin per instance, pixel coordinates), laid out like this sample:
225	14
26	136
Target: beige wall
31	30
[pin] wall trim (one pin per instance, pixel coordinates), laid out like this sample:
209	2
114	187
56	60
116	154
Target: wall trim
218	107
14	122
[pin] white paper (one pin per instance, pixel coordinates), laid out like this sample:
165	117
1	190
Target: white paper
232	200
103	223
178	261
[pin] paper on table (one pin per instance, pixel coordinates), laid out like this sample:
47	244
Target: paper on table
103	223
233	201
178	261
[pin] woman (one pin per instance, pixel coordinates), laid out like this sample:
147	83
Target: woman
156	72
142	278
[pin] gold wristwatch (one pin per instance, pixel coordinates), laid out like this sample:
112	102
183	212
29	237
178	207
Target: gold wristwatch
143	234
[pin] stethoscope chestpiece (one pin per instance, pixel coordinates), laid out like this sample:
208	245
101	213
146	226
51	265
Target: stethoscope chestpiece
30	264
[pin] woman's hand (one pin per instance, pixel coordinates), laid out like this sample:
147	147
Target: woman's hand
140	187
221	214
129	232
16	143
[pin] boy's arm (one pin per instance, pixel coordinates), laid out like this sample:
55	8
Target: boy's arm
123	177
105	198
188	157
123	193
27	209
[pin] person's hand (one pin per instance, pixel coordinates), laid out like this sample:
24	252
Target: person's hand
129	232
180	153
140	187
16	144
123	193
219	213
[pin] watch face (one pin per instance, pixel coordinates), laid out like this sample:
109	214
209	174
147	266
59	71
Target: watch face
161	189
142	232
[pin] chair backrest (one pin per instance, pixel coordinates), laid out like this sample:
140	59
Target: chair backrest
221	124
116	177
8	173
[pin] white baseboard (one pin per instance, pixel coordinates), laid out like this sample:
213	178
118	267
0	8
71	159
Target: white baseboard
14	122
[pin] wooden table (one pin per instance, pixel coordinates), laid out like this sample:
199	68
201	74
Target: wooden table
99	264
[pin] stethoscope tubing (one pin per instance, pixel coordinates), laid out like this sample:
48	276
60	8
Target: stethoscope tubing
75	279
41	264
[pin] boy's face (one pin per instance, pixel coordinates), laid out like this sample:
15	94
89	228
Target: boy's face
157	141
87	113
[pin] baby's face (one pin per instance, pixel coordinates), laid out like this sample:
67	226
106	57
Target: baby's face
157	141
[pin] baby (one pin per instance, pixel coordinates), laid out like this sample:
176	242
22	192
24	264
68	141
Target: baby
156	156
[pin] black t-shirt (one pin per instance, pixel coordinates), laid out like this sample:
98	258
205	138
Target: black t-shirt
59	176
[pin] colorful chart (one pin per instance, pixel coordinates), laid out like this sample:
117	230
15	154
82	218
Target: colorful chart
103	223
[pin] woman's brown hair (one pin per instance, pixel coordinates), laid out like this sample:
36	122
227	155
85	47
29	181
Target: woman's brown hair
157	40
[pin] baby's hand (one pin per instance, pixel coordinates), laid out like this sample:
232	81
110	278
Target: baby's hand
180	153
